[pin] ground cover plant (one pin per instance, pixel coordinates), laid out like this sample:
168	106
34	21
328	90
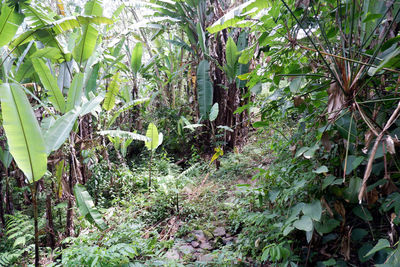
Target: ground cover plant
199	133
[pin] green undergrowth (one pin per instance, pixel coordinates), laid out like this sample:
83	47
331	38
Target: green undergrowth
281	208
141	221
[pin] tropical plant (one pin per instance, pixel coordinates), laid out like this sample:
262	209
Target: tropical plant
335	73
155	139
25	141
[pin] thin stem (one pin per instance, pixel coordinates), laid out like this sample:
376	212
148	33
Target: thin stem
313	43
151	159
347	59
35	216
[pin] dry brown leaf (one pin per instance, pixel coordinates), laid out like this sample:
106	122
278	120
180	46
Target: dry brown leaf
345	245
297	101
368	170
293	149
326	142
389	187
368	138
326	206
372	197
340	209
390	145
335	101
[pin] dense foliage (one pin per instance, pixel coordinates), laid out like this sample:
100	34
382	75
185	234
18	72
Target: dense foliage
163	133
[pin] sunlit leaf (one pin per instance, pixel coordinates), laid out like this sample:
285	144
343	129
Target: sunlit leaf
23	133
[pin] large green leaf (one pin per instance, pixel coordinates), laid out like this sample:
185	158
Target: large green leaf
50	84
326	225
382	244
91	105
92	75
152	134
236	17
75	92
46	33
214	112
231	52
87	40
352	163
52	53
126	107
86	207
202	38
136	59
56	135
242	44
124	134
86	44
304	224
23	133
5	157
232	56
112	91
313	210
9	24
93	8
204	88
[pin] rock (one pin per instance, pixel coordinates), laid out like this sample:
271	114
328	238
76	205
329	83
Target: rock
197	255
219	231
187	190
227	240
199	235
186	249
208	235
195	244
172	254
206	258
206	245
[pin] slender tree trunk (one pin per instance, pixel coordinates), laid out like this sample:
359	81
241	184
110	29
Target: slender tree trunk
2	200
50	225
86	132
9	202
35	218
69	228
151	159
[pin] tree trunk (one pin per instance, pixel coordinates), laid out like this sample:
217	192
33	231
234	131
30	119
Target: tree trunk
228	99
69	228
36	218
50	225
9	202
2	200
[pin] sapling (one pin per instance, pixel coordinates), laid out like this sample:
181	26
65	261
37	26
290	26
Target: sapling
154	142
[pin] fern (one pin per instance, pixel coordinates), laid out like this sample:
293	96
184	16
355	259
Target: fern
18	239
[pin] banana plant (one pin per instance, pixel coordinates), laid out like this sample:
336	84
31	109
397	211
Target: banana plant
88	36
25	141
112	91
10	20
155	140
204	88
86	207
122	139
